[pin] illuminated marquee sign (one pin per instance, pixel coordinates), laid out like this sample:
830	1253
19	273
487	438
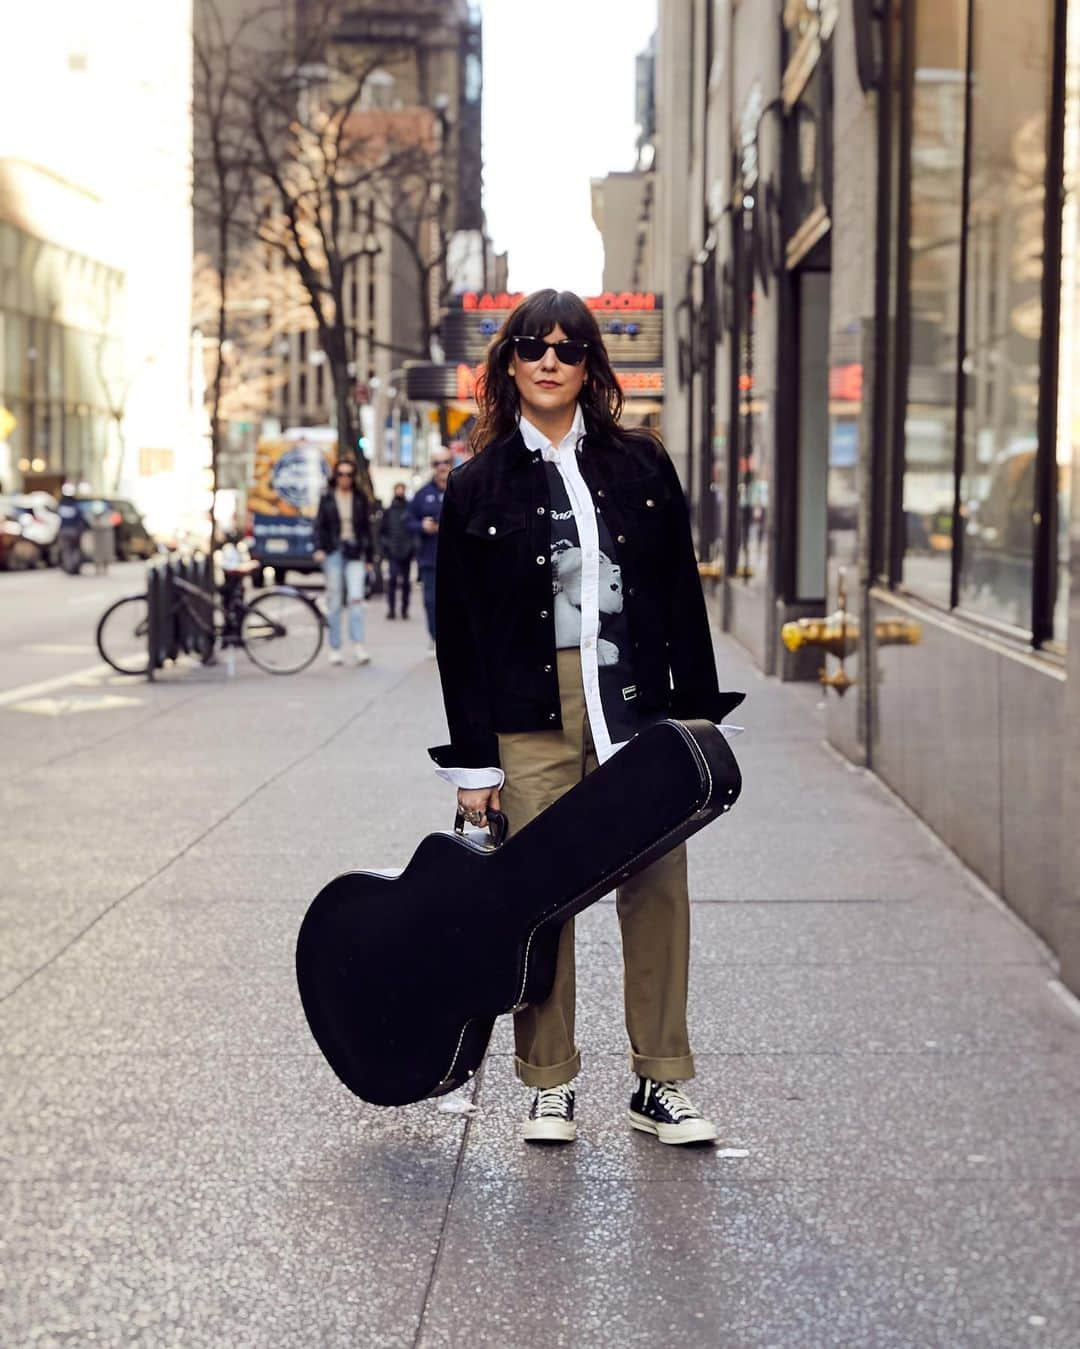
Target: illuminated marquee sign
610	299
631	323
425	383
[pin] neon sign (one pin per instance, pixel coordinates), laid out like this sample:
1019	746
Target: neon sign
608	300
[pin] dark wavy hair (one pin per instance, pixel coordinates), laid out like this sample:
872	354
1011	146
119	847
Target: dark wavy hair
535	316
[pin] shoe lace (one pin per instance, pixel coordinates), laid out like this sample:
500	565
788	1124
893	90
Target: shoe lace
677	1104
554	1100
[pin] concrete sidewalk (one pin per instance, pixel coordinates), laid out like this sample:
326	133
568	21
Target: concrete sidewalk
880	1039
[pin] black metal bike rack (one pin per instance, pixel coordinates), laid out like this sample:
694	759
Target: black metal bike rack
171	629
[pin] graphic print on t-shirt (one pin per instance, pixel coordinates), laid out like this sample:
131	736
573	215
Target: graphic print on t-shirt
566	573
617	686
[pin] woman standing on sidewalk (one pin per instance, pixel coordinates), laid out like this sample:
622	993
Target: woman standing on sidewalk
343	545
570	616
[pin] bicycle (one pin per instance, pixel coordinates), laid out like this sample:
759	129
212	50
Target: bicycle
280	630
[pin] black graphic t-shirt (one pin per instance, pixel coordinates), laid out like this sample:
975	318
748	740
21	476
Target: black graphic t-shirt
618	691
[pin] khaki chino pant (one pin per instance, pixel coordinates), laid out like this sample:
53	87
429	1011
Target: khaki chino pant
653	910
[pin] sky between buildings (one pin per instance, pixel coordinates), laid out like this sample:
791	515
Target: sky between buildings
558	110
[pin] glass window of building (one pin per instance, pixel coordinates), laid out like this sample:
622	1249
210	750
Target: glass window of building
979	483
751	461
1068	410
1010	90
936	196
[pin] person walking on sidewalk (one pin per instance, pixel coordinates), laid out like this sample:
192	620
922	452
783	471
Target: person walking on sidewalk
425	511
397	545
343	546
569	617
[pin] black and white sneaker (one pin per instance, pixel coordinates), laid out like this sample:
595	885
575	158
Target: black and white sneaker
551	1119
661	1108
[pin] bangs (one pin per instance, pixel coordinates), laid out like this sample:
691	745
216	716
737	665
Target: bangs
538	313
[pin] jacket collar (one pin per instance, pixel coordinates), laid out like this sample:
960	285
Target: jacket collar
535	439
519	452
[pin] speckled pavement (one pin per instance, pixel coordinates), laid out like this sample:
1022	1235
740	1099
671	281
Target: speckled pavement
896	1080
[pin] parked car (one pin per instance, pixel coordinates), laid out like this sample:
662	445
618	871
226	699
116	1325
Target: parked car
31	528
132	537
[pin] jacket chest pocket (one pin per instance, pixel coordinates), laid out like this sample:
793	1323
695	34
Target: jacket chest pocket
494	525
643	506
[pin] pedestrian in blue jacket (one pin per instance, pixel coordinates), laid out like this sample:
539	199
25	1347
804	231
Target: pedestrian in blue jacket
425	510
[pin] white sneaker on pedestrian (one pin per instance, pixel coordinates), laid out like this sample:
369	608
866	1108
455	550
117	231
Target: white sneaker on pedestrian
551	1118
335	657
360	655
664	1109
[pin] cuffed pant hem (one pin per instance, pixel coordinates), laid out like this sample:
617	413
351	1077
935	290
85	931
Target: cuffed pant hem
548	1077
664	1070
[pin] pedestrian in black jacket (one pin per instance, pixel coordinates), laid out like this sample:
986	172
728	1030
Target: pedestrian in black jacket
570	616
343	545
424	511
396	541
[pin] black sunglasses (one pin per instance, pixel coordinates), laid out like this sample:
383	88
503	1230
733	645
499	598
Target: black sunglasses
567	352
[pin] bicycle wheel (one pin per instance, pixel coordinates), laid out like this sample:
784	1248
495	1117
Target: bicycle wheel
122	635
281	631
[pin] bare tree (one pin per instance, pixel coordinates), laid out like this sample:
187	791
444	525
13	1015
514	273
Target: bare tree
412	205
320	155
115	377
264	304
221	178
299	154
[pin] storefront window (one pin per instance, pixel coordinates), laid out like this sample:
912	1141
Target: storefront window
936	186
1010	89
1068	415
751	480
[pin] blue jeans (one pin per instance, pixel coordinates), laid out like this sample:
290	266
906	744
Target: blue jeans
344	583
427	579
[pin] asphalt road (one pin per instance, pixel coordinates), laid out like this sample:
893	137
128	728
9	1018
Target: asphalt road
48	619
893	1067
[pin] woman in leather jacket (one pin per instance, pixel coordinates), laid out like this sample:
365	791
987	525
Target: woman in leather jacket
569	616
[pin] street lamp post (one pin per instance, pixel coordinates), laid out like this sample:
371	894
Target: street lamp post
369	251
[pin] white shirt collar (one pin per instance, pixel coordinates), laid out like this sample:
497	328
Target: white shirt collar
536	440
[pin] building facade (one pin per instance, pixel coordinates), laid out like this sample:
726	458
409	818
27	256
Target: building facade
95	243
873	293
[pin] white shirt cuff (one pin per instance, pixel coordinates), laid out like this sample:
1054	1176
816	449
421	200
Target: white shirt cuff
472	779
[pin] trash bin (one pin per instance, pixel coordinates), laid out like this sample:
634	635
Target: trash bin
102	539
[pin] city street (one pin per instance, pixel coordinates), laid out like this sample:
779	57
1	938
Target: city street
47	620
894	1070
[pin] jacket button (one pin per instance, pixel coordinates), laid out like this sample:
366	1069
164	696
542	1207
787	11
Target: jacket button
540	510
600	493
541	560
631	591
552	716
649	501
548	669
543	613
491	529
621	538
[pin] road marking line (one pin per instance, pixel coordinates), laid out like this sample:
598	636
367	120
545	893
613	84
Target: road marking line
62	707
89	673
60	648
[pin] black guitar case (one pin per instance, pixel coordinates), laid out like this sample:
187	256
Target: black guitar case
402	977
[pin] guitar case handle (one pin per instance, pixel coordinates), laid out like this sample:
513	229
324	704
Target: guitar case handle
498	825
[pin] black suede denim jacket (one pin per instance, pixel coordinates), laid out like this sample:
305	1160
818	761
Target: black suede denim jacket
495	626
